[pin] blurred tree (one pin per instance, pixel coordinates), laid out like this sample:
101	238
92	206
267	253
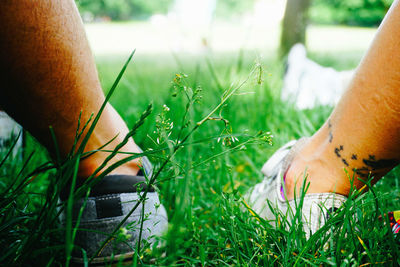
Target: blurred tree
294	25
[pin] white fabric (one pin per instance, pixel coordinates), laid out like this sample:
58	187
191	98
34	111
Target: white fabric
309	84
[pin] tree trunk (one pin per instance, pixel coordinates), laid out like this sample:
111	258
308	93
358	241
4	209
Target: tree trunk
294	25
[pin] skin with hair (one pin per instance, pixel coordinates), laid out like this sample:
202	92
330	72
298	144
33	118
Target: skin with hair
362	135
48	76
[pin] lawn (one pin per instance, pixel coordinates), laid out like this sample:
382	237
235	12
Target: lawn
202	185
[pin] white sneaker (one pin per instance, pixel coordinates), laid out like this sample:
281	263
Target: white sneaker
269	194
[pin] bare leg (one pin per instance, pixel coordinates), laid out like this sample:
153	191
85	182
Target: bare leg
48	77
363	132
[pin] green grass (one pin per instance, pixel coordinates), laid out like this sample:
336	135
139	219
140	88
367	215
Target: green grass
208	224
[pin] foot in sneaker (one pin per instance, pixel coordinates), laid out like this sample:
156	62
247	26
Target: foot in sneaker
270	193
109	202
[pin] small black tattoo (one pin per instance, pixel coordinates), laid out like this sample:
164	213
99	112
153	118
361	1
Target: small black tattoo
372	165
362	172
354	157
345	162
330	131
379	164
337	152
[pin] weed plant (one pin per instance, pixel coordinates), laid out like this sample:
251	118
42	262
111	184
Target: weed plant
207	138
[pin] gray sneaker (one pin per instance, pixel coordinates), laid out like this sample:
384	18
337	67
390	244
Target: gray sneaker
316	207
109	202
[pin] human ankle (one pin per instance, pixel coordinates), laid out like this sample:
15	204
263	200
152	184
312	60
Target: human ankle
89	166
313	164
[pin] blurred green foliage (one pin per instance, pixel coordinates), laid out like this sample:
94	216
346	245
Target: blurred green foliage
230	8
142	9
349	12
123	9
346	12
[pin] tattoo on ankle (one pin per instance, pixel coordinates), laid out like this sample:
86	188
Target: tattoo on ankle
372	165
379	164
339	155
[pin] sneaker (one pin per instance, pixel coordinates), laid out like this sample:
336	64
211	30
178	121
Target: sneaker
110	200
268	194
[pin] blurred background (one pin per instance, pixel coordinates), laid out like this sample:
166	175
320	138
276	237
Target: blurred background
231	36
162	26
